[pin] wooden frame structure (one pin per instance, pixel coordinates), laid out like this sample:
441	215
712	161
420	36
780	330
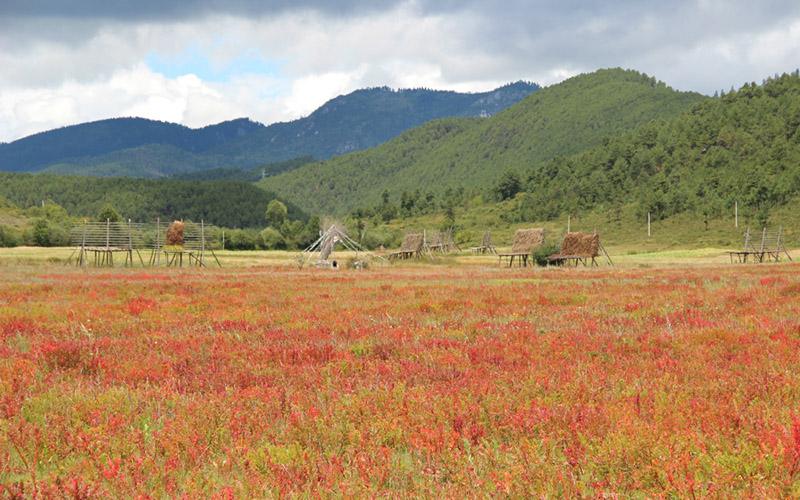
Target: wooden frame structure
579	248
441	242
525	242
412	247
325	246
771	247
194	250
486	245
97	242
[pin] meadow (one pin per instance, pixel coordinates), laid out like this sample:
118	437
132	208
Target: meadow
453	380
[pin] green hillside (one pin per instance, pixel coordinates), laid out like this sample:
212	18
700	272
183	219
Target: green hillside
147	161
225	203
473	153
743	147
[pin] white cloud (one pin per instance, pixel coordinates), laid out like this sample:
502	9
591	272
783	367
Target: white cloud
133	92
310	92
63	70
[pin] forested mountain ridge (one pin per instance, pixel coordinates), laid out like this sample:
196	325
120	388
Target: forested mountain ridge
145	148
87	140
366	118
225	203
563	119
742	147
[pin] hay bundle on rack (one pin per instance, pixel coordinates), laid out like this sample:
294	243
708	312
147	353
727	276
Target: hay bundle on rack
412	243
581	245
412	246
175	234
527	240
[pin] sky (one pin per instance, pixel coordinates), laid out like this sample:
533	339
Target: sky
199	62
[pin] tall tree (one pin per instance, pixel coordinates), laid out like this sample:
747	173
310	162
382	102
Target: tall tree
276	213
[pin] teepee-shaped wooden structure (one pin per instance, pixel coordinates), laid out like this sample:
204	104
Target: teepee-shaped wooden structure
321	251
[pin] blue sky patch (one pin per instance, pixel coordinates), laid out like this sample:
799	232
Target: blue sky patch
194	61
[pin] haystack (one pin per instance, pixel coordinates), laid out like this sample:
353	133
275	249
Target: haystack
412	242
579	248
578	244
412	246
175	234
527	240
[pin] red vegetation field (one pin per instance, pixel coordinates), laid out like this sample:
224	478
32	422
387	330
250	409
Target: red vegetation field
424	381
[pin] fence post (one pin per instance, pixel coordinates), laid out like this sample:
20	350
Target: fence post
130	242
202	241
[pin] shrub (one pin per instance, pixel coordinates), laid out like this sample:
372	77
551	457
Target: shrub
9	237
48	234
242	239
271	239
541	253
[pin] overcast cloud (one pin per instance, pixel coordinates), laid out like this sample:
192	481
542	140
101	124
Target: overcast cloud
203	61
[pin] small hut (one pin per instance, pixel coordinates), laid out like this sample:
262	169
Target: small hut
525	242
579	248
412	247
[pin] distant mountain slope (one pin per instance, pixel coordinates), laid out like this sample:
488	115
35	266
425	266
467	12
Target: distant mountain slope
102	137
250	175
225	203
363	119
472	153
145	148
742	148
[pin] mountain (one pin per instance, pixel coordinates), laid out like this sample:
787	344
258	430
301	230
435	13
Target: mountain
225	203
559	120
250	175
366	118
144	148
95	139
739	149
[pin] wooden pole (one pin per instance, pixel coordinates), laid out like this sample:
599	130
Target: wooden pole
648	225
130	242
202	241
83	244
569	221
158	241
736	214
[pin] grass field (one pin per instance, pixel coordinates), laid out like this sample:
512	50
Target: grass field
621	256
453	378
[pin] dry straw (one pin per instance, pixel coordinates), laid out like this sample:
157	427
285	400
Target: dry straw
175	234
412	242
526	240
578	244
